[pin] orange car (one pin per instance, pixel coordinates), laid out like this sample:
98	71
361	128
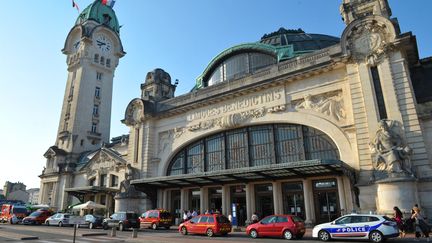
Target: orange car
156	218
206	224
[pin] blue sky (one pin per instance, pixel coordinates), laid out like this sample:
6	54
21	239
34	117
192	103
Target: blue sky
179	36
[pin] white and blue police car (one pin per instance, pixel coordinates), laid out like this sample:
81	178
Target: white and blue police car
376	228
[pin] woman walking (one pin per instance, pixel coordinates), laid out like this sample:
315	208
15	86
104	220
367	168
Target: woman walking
398	217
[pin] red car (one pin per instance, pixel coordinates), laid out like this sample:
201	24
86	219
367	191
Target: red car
37	217
206	224
286	226
156	218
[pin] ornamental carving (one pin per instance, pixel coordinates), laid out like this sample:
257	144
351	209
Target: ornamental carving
165	141
134	113
231	120
370	42
329	104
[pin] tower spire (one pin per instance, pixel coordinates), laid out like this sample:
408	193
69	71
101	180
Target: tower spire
356	9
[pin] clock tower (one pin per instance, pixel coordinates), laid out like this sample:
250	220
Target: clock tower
93	49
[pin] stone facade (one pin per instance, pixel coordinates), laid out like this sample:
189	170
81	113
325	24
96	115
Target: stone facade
359	96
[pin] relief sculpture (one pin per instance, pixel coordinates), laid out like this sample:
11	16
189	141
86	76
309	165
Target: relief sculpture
330	105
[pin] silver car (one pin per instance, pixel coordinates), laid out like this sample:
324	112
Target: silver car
60	219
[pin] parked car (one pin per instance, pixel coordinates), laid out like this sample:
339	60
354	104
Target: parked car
376	228
156	218
286	226
59	219
92	221
12	213
206	224
37	217
121	220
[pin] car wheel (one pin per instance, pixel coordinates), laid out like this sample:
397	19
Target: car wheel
253	233
324	235
154	226
91	226
184	230
105	227
60	224
47	223
209	232
287	235
376	236
121	227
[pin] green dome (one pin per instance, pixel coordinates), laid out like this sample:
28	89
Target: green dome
100	13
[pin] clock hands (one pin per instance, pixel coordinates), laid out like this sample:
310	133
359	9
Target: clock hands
100	43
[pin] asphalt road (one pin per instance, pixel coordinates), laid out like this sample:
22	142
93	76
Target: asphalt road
53	234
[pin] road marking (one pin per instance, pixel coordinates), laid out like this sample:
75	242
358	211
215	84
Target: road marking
14	236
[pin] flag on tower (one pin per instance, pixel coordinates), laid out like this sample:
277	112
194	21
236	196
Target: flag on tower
74	5
109	3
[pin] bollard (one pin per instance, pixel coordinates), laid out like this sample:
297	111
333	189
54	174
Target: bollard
134	233
113	231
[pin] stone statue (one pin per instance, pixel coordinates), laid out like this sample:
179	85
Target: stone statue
126	189
390	152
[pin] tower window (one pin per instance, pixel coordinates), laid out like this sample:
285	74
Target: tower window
65	127
96	58
102	60
95	110
98	76
82	142
97	92
378	93
108	62
94	127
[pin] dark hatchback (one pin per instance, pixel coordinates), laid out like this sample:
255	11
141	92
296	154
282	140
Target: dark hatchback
92	221
122	221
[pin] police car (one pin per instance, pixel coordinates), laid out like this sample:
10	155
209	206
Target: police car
376	228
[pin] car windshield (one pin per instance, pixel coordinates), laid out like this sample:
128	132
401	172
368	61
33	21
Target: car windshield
297	219
19	210
35	214
165	215
66	216
222	219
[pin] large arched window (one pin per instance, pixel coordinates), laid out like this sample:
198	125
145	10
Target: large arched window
253	146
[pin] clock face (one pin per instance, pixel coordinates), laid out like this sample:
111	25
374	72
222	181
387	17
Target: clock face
103	43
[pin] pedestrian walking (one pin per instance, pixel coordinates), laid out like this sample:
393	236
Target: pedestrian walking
398	217
254	218
420	224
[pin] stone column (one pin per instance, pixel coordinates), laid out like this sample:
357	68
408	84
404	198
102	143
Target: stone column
308	200
277	197
225	200
165	194
341	192
250	203
184	202
204	205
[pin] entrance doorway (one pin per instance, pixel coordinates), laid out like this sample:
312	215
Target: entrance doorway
293	199
238	196
215	199
195	195
175	204
264	200
326	200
